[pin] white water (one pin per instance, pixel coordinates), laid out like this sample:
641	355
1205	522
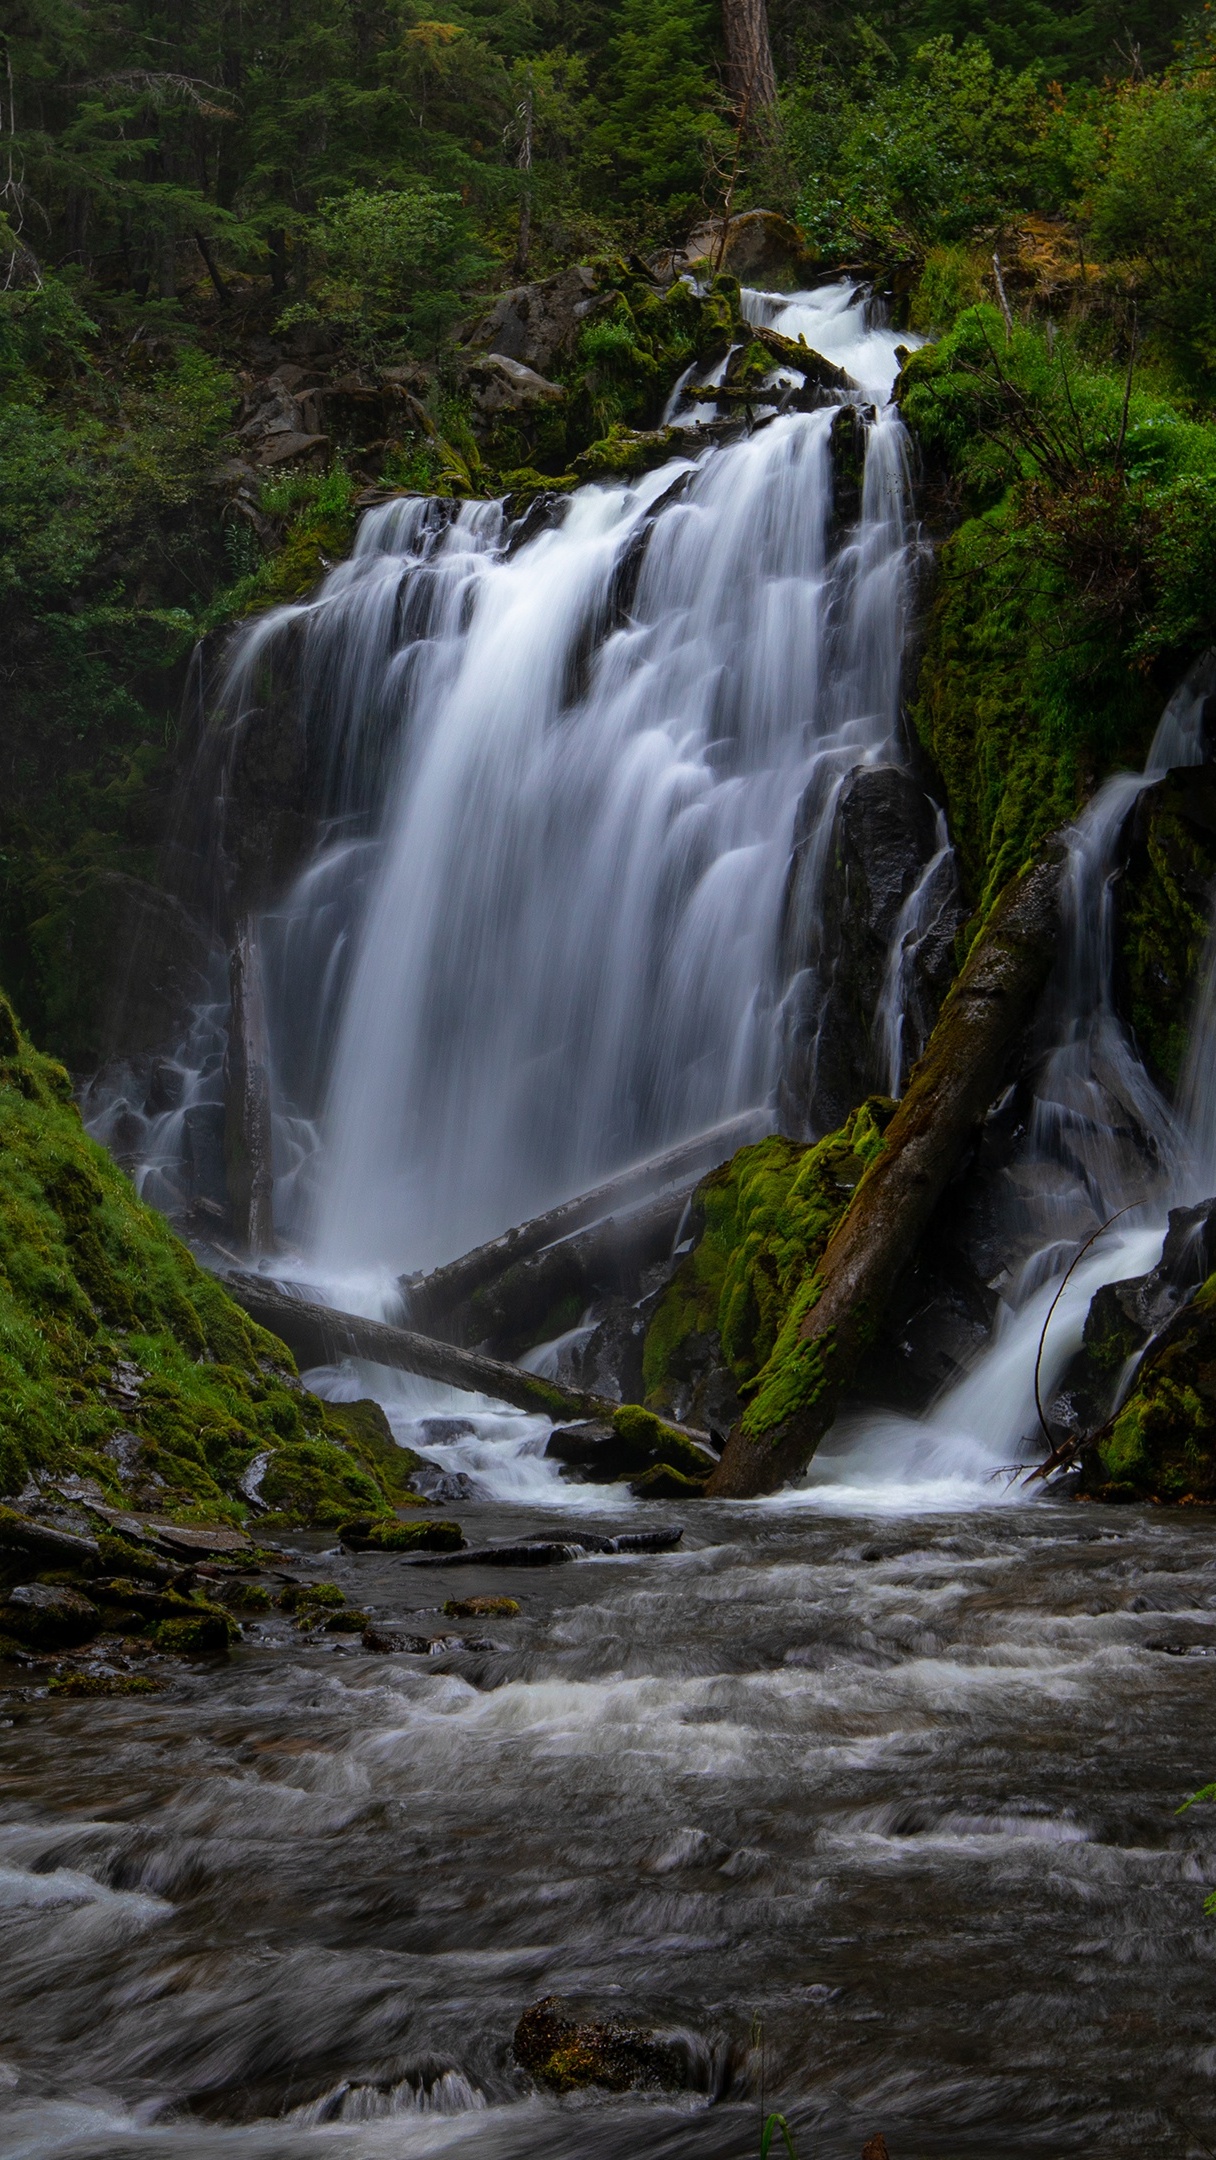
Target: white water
556	950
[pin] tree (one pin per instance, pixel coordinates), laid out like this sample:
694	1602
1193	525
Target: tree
749	57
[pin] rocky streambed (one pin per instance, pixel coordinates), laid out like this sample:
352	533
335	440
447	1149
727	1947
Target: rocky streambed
869	1817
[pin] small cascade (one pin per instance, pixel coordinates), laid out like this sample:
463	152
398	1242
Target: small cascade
1101	1141
560	773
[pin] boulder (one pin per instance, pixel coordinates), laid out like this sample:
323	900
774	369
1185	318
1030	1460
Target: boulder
661	1482
761	249
499	384
20	1534
601	1452
389	1536
1163	907
47	1616
536	323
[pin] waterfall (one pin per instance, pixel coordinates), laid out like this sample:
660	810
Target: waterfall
540	937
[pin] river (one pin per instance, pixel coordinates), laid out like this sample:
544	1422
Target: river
877	1810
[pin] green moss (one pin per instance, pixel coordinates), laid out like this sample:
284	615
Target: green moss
764	1219
1164	903
89	1278
295	1596
94	1684
648	1440
1162	1444
201	1634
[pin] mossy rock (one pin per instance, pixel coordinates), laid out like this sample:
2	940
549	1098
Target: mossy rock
564	2054
363	1429
662	1482
93	1685
646	1440
1161	1445
203	1633
48	1616
481	1608
295	1596
388	1535
624	453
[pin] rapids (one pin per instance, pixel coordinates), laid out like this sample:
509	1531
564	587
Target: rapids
900	1790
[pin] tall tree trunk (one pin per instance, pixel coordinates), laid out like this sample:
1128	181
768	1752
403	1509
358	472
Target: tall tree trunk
951	1089
749	57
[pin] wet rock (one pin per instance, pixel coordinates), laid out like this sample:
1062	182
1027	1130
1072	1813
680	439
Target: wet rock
563	2054
189	1542
1125	1316
441	1431
1163	907
550	1552
837	934
600	1452
297	1596
387	1641
875	2148
482	1608
663	1483
443	1488
47	1616
536	323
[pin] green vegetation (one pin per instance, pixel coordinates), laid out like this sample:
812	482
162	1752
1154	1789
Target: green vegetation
1162	1443
122	1361
760	1223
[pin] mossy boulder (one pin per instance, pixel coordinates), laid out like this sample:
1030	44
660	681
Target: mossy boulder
760	1223
108	1328
661	1482
205	1633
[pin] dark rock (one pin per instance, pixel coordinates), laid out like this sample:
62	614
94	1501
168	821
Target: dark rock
1163	910
444	1488
837	937
1124	1317
563	2054
387	1641
439	1431
499	384
536	323
55	1548
590	1448
48	1616
482	1608
875	2148
601	1453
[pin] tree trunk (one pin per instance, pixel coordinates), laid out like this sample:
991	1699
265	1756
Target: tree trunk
247	1124
950	1090
430	1298
317	1335
749	57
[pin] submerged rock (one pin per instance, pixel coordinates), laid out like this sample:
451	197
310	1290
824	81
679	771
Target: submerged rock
564	2054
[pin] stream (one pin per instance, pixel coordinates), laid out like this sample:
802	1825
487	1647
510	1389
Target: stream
865	1796
875	1811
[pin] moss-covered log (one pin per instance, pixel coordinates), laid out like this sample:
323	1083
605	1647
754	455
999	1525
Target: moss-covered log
317	1335
839	1309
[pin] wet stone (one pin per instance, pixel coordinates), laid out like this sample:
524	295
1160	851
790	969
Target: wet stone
48	1616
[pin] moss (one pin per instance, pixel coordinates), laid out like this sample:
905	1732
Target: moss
481	1608
94	1684
416	1537
91	1279
647	1441
662	1482
363	1429
201	1634
297	1595
1162	1443
762	1221
624	453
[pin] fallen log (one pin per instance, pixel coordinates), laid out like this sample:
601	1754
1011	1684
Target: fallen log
318	1335
839	1311
521	1305
430	1298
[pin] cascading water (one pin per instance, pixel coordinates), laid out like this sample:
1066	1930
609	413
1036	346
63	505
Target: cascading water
1101	1142
557	948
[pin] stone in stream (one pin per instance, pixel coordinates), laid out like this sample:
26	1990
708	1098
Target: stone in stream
366	1534
554	1552
39	1541
47	1616
563	2053
601	1451
661	1482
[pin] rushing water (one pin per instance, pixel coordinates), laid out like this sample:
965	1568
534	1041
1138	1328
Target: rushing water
901	1789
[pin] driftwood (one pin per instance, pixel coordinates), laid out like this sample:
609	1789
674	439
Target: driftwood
247	1129
431	1299
950	1090
317	1335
